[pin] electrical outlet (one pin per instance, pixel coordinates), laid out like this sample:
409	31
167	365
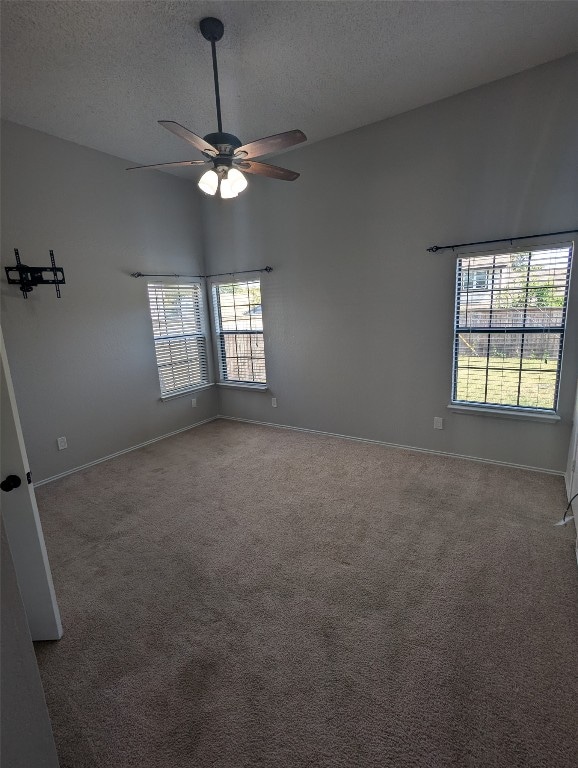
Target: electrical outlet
274	402
62	444
438	422
194	402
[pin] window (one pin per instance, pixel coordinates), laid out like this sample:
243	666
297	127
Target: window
509	334
239	331
180	341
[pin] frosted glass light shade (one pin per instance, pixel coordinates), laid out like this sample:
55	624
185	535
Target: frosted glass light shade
238	181
209	182
227	188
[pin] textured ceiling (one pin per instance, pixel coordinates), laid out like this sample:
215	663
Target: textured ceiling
102	73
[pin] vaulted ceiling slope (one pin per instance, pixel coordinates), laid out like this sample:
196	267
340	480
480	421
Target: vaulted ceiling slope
102	73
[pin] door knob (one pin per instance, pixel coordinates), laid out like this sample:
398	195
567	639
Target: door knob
10	483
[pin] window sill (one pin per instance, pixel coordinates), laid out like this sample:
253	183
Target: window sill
243	385
185	392
503	413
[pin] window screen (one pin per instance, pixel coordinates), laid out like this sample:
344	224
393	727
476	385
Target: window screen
180	341
239	330
509	328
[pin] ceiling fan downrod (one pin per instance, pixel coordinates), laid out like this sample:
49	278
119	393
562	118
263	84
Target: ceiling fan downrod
212	30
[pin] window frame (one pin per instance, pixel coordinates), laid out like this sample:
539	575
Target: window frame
500	409
218	334
200	334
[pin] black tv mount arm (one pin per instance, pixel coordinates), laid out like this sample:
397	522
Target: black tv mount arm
29	277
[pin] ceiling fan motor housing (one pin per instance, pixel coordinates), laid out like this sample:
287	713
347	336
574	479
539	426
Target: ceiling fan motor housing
225	143
224	140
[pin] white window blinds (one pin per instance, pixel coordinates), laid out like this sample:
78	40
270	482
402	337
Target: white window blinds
179	334
239	330
509	328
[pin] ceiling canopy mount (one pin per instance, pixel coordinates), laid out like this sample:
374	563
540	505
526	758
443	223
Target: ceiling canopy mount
211	29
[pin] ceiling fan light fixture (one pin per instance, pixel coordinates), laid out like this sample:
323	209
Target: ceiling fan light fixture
225	149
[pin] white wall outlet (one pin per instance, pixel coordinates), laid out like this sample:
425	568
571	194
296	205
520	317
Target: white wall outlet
438	422
62	444
274	402
194	402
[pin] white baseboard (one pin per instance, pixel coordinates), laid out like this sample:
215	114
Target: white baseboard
559	473
296	429
119	453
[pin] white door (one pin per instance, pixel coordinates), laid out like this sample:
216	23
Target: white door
571	470
574	473
21	520
26	739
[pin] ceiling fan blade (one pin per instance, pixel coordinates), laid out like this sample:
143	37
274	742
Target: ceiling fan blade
192	138
270	144
169	165
264	169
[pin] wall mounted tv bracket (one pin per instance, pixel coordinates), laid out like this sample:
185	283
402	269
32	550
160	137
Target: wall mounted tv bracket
29	277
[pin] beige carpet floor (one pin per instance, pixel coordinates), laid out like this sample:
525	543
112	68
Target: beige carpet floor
242	596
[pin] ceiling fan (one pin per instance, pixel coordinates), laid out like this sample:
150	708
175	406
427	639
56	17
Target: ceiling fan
224	151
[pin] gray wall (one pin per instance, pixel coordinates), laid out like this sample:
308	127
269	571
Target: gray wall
83	366
358	315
